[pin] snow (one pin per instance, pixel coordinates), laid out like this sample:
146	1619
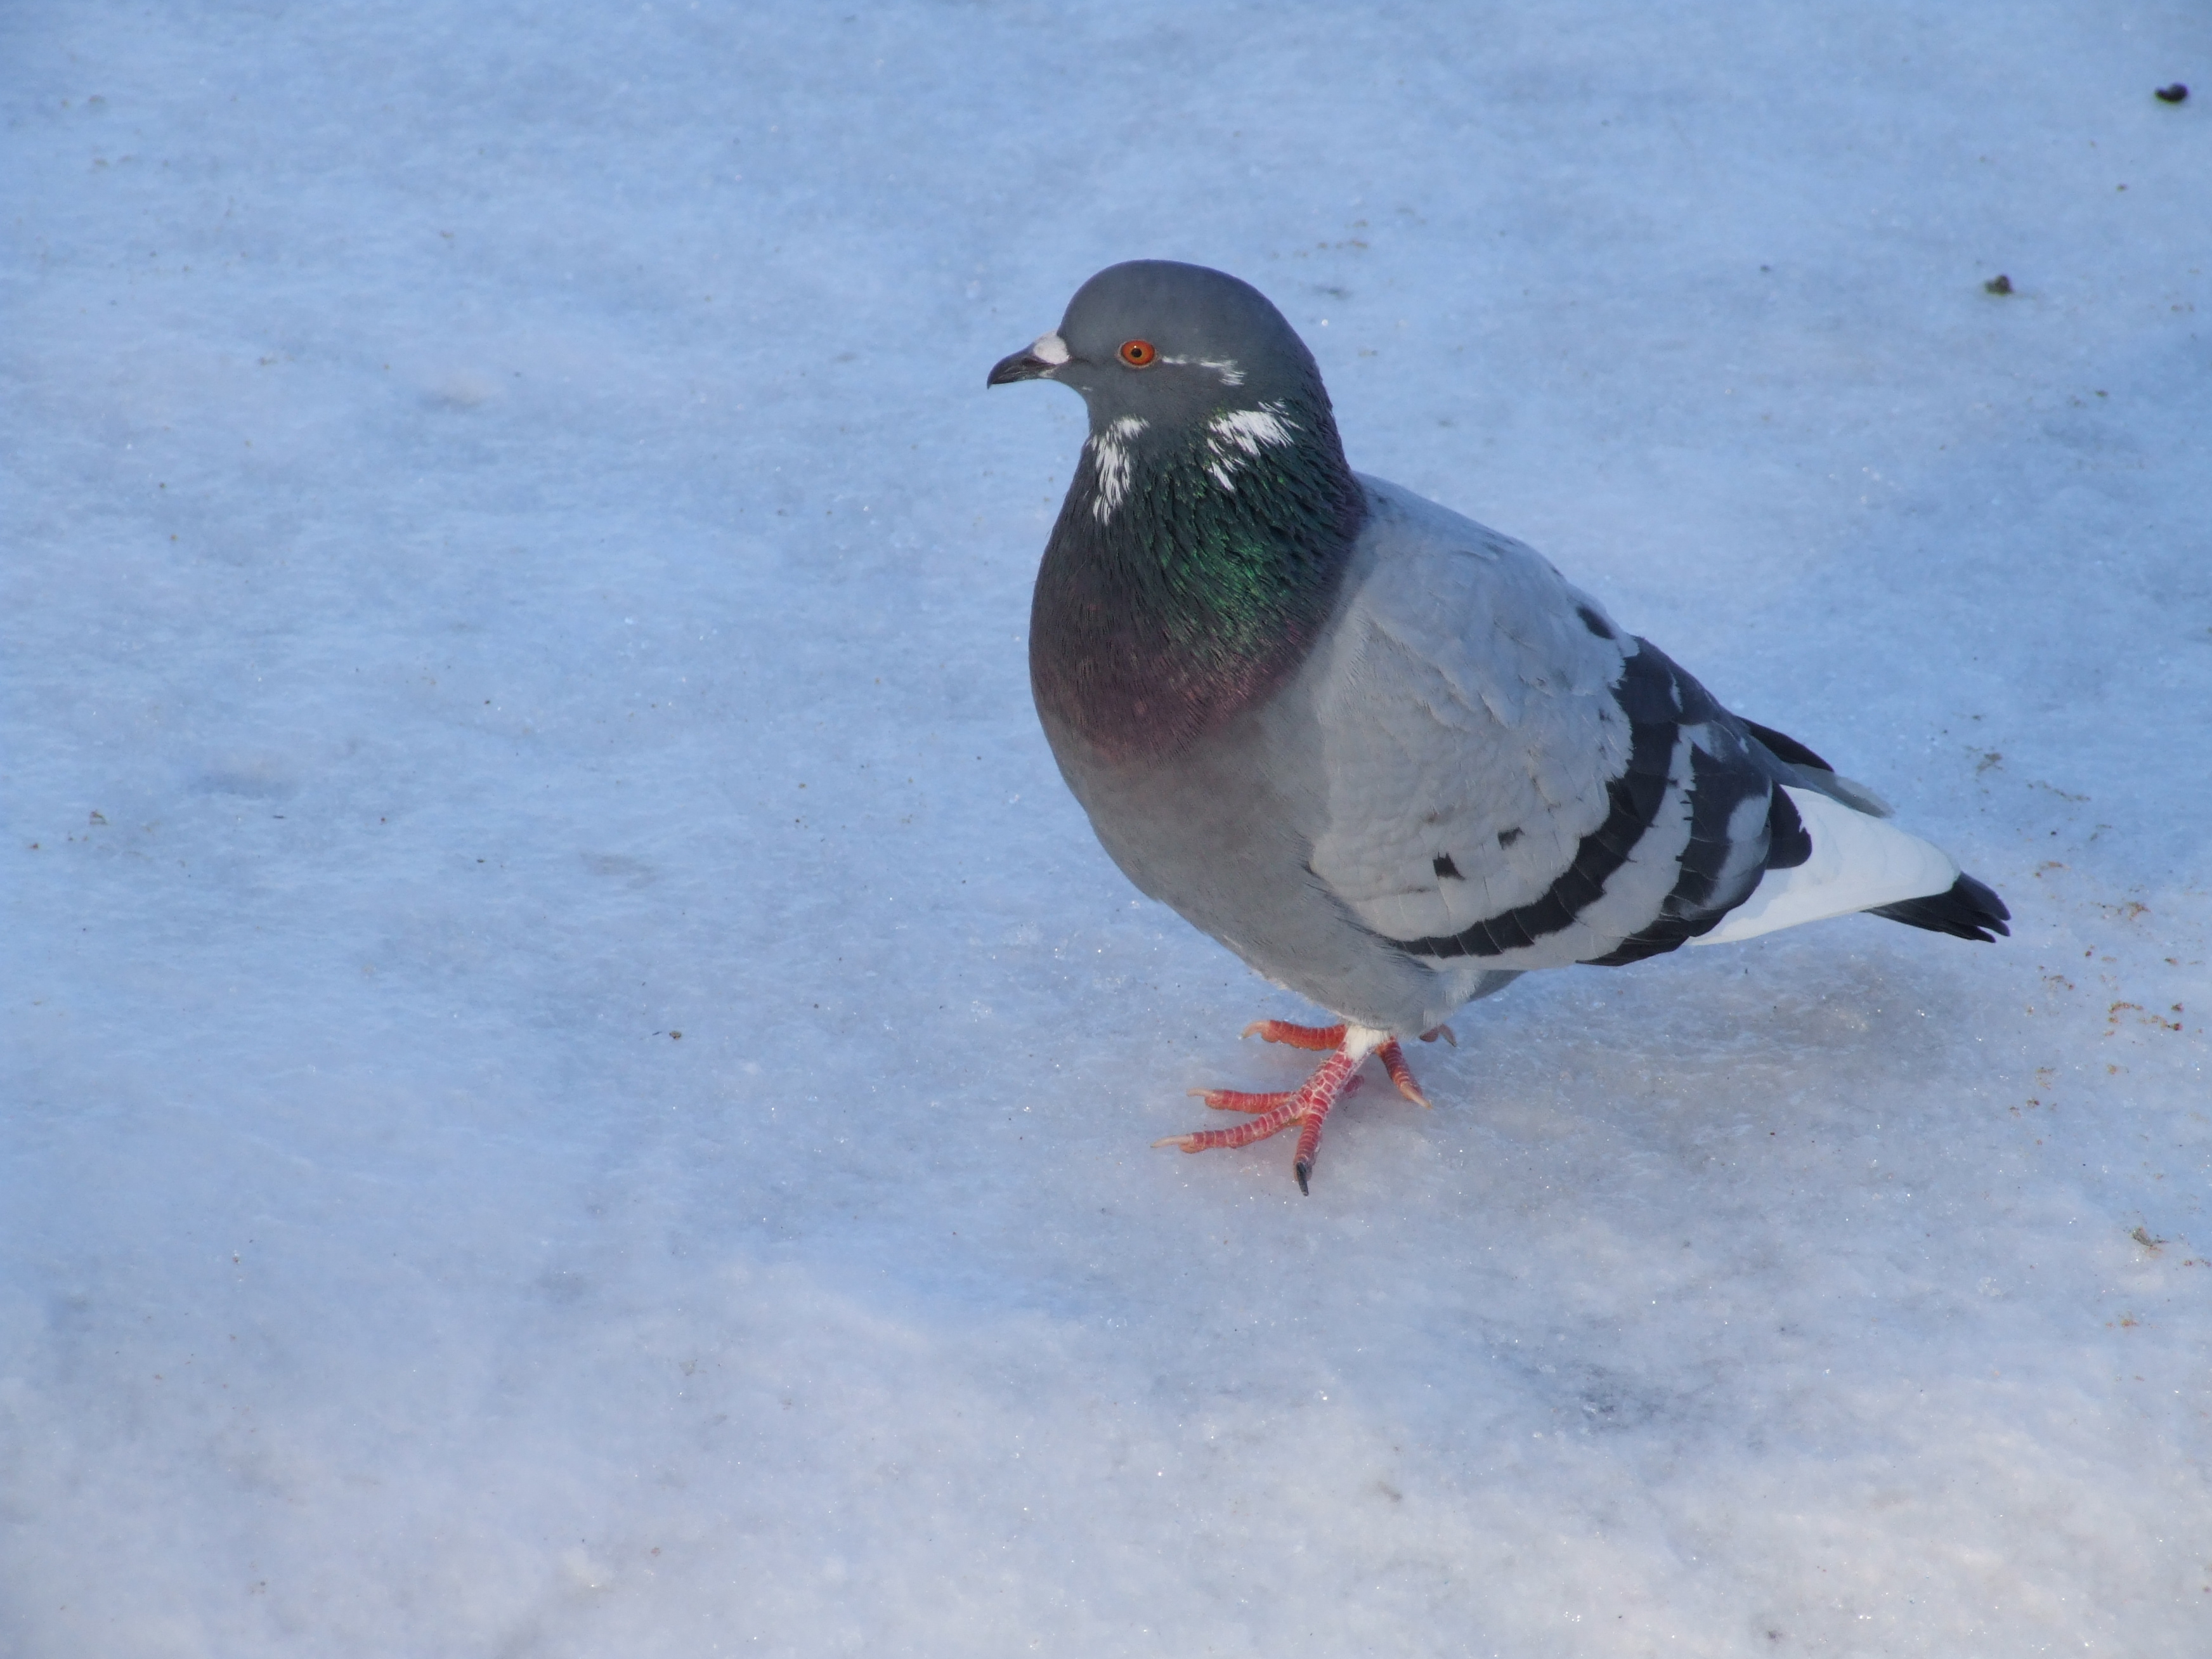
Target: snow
508	557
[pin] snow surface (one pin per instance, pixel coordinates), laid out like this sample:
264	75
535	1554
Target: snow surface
509	557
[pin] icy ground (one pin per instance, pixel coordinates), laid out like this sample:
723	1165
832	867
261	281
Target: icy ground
508	557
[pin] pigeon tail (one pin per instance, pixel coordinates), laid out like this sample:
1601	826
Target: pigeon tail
1969	909
1848	861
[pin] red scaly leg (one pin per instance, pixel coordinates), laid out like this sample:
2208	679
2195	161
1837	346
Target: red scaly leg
1329	1037
1236	1100
1394	1061
1274	1120
1309	1106
1298	1037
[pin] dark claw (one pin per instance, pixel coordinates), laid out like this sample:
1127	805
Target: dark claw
1302	1170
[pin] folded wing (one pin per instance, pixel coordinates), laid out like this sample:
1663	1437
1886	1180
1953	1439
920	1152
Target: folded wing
1512	783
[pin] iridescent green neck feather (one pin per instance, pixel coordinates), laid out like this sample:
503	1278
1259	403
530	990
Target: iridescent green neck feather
1188	573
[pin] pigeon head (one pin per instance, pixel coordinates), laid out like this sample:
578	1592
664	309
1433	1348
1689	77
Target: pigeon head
1171	345
1204	404
1209	517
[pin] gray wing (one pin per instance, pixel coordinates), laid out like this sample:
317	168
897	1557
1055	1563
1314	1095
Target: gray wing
1508	776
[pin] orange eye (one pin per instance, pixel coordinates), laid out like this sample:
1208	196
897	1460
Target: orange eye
1138	353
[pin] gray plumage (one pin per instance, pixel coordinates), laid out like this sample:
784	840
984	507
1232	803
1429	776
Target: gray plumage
1396	759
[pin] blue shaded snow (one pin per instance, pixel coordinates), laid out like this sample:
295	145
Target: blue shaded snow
508	558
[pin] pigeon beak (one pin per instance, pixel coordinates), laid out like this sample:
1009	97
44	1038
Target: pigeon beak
1033	362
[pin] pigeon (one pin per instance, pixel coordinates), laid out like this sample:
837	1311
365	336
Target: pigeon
1390	758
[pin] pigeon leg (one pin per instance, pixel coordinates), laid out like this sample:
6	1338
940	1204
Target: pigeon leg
1236	1100
1298	1037
1329	1037
1394	1061
1309	1105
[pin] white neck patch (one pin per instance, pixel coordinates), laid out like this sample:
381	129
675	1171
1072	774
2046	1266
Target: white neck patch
1235	437
1110	453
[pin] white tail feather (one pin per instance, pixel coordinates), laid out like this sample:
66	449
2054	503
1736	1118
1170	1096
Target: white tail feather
1857	863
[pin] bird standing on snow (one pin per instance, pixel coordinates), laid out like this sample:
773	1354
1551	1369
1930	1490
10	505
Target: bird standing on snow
1390	758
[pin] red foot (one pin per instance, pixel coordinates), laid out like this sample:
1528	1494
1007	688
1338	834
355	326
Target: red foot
1298	1037
1310	1104
1236	1100
1329	1037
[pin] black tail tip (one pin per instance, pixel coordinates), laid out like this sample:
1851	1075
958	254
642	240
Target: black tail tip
1969	910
